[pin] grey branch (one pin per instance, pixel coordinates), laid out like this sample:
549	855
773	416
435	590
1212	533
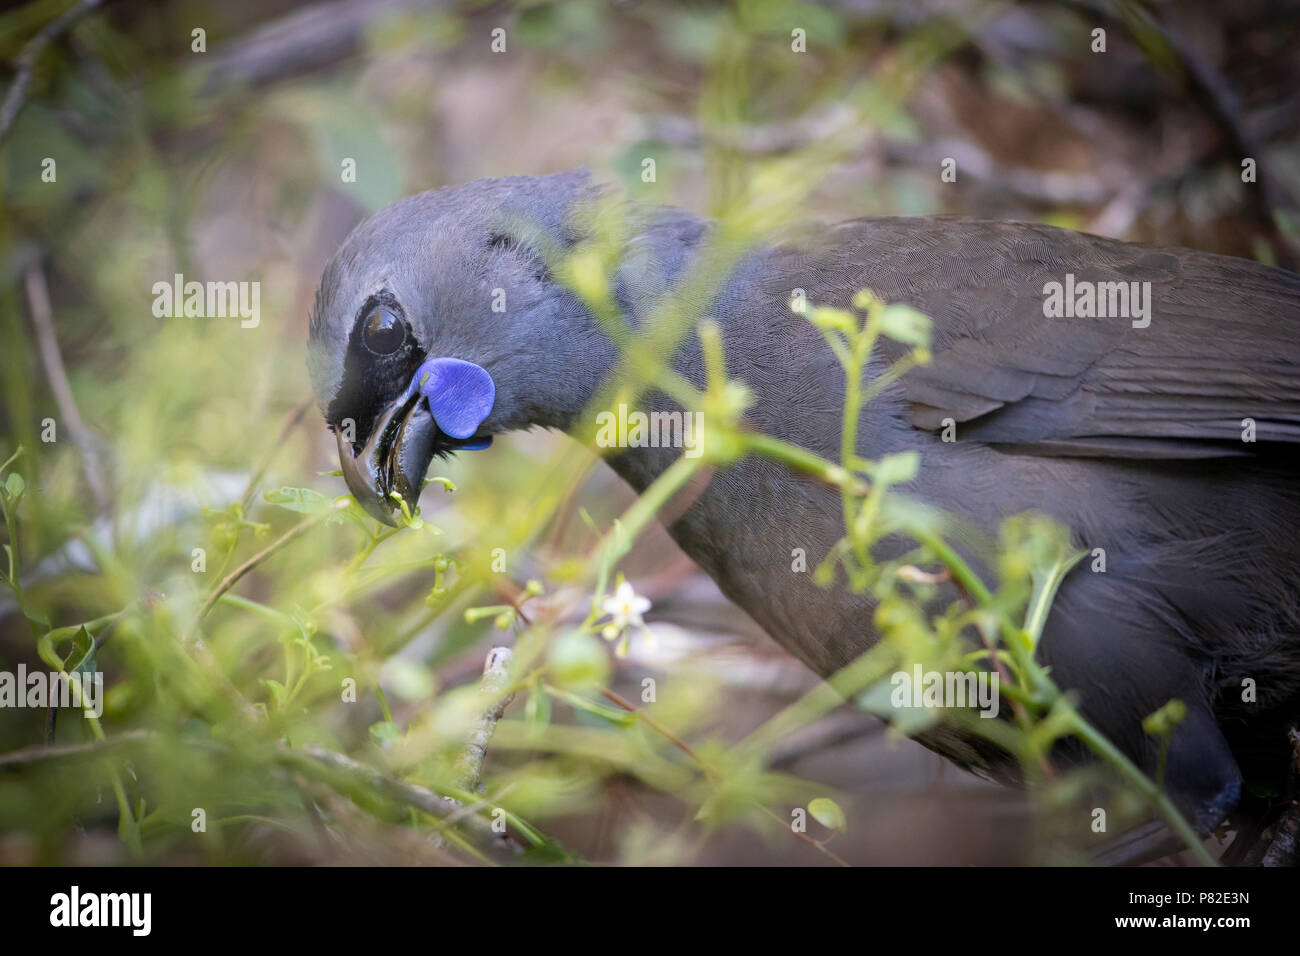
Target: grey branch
408	793
299	42
495	679
38	300
341	773
16	98
1283	837
38	755
346	774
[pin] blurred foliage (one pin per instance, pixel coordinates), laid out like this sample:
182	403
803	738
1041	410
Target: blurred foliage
221	681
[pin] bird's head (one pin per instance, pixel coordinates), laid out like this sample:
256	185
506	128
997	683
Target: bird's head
438	324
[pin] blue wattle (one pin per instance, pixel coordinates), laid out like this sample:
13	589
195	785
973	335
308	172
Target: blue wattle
460	395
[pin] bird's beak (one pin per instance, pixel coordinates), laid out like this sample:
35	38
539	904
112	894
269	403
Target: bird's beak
390	469
394	459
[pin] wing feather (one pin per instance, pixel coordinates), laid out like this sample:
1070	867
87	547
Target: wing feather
1222	346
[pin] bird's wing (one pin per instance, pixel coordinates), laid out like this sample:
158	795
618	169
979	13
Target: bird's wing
1222	346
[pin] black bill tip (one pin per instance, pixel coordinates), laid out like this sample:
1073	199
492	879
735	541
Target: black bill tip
394	459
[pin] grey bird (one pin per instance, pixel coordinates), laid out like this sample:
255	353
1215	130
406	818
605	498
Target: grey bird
1130	435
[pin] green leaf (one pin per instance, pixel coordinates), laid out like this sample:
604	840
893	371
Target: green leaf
902	323
15	485
549	850
833	319
1163	721
83	646
903	721
385	730
828	813
1048	554
81	659
620	717
302	500
579	660
864	300
896	469
410	681
476	614
537	711
279	693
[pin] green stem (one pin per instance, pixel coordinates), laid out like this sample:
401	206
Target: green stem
814	464
278	544
383	703
619	539
1140	782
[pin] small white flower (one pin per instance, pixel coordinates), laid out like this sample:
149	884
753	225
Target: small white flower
626	607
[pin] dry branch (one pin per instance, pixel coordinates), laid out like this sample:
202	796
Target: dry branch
16	98
495	679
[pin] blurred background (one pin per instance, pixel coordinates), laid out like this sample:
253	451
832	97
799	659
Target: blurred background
215	140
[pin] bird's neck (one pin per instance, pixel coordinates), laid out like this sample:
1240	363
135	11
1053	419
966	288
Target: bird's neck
751	524
646	433
767	347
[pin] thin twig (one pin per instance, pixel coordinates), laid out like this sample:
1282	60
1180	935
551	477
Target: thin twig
654	725
353	772
1210	90
341	773
496	677
681	745
807	838
681	502
411	794
1017	706
843	727
38	300
259	472
16	98
502	591
37	755
201	655
231	579
313	37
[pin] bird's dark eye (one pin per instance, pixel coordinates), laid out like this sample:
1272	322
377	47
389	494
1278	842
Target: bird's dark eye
384	332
